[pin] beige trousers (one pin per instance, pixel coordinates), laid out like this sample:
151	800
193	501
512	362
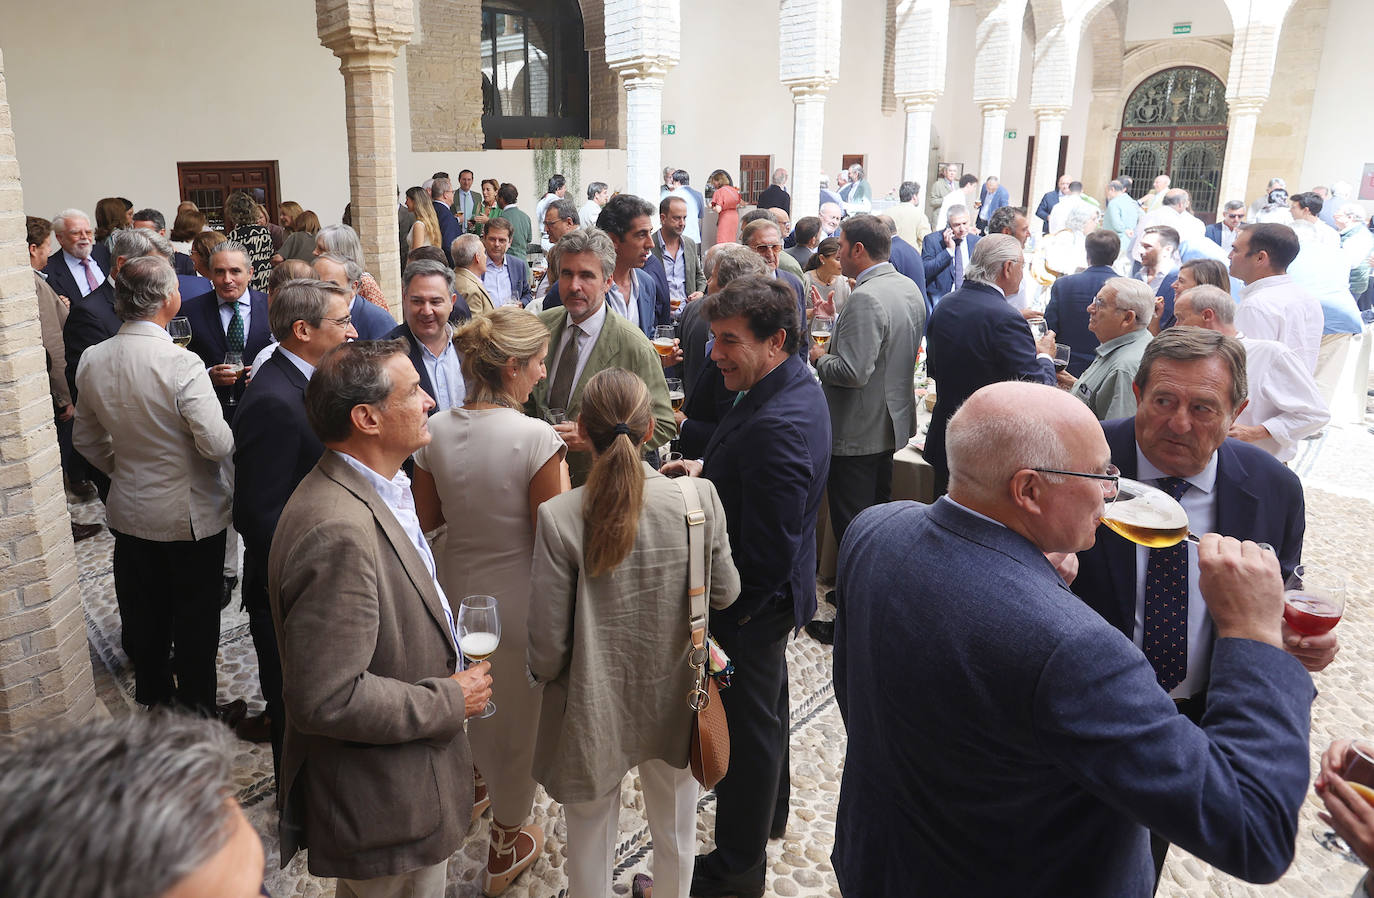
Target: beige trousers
427	882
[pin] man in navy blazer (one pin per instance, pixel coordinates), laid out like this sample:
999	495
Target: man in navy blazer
1233	488
1051	199
441	197
274	448
907	260
76	240
372	322
975	338
1003	739
1067	311
768	458
937	255
992	197
91	318
210	315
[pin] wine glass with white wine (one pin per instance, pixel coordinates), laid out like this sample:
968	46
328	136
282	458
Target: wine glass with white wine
234	360
479	633
180	329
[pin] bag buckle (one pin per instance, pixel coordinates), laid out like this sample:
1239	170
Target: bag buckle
696	518
697	658
698	699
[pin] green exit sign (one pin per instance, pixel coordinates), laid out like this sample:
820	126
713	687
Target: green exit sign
670	127
1011	135
1183	28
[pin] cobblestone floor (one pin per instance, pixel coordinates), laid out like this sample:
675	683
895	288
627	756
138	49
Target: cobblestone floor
1340	509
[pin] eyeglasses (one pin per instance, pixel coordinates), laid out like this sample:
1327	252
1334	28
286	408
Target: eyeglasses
1109	478
345	321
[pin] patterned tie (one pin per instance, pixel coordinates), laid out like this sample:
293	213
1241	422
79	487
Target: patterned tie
90	274
561	389
1165	641
234	335
958	264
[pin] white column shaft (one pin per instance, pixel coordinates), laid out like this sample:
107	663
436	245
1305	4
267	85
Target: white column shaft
994	128
1240	144
916	162
643	140
1050	126
808	136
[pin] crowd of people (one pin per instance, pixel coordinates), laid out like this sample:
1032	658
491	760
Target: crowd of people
552	419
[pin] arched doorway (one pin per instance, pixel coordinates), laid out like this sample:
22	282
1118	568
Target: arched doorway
1175	124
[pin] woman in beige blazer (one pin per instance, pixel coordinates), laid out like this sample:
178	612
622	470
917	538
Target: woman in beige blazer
609	629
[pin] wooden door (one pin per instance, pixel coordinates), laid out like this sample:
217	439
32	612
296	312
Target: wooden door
208	183
753	177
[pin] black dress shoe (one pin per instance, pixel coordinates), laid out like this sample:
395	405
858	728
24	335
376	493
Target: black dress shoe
84	531
822	631
257	728
83	490
232	714
229	584
830	597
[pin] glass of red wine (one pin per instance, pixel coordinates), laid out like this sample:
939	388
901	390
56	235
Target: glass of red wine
1313	599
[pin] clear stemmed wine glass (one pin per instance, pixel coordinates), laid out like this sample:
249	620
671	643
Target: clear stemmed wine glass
1359	773
1313	599
234	360
479	633
180	329
821	329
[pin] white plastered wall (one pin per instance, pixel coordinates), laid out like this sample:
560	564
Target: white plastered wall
1341	138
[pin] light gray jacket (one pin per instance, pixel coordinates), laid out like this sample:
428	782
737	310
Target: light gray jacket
868	371
612	649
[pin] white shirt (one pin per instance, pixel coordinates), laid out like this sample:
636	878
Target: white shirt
1276	308
498	282
262	357
538	220
445	373
588	214
1283	397
395	494
79	272
226	313
625	306
1059	215
591	330
1200	502
1228	237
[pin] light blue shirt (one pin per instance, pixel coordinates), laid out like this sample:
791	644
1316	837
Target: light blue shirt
498	282
675	266
396	494
79	273
301	364
445	373
226	312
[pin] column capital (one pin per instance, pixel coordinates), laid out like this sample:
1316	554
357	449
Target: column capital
919	100
1245	105
1000	105
642	71
1049	113
809	89
372	28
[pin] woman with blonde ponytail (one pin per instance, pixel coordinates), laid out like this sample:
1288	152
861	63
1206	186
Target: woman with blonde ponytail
486	470
609	629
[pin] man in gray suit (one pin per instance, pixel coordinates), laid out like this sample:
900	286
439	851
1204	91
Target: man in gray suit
867	374
376	770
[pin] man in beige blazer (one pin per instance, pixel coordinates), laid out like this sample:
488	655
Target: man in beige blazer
469	264
585	338
376	774
147	416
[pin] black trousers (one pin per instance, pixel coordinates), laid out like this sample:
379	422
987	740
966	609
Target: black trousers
168	594
752	799
260	627
857	482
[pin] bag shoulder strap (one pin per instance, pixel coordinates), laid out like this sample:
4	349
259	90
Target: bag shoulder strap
696	552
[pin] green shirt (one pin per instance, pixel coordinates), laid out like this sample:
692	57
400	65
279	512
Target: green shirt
1106	386
521	231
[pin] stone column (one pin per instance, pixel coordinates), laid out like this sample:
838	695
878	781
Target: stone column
366	36
808	136
916	161
808	63
45	661
1240	144
642	44
994	132
1049	126
643	127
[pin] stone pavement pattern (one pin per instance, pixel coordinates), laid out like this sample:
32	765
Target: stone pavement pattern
1340	509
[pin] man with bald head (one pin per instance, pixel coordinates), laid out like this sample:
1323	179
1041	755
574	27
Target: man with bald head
1068	751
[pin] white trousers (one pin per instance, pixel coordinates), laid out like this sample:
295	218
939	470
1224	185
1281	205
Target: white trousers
670	803
427	882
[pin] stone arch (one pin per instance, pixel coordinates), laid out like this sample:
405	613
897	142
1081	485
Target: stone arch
1108	46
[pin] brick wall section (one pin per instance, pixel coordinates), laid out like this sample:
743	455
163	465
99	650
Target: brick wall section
45	667
444	76
1281	133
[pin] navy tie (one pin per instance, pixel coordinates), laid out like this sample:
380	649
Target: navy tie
958	264
1165	641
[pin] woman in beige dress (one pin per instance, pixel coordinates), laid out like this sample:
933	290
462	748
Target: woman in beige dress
485	473
609	632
